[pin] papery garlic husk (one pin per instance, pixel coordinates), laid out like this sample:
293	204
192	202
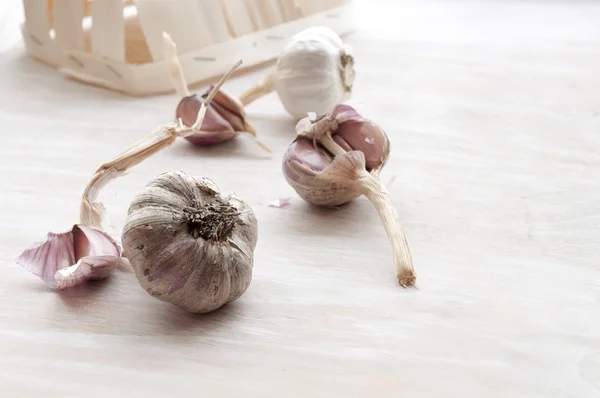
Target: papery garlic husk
70	258
189	244
314	72
338	157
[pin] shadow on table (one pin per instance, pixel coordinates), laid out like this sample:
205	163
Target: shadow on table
239	147
135	313
304	218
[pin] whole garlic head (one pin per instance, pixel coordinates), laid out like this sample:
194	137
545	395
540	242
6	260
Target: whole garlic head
188	244
337	157
315	72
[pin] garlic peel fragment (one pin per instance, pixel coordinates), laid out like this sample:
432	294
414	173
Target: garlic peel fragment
70	258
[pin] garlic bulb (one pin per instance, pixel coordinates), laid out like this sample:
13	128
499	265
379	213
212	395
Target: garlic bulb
189	244
314	73
338	157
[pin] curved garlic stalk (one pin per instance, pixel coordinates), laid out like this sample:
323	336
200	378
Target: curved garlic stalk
91	211
351	166
225	117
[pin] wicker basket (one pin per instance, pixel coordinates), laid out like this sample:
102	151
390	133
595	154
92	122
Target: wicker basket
118	44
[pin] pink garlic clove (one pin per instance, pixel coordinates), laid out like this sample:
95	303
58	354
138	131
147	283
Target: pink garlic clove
367	137
308	169
356	150
70	258
349	131
346	113
303	151
224	119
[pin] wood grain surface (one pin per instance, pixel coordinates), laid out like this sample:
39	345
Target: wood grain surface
493	110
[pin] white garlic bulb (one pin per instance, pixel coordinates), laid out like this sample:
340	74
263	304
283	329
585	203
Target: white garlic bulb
314	73
188	244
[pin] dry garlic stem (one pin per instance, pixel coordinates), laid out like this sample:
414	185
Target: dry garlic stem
225	116
338	157
170	52
91	211
372	188
314	73
189	244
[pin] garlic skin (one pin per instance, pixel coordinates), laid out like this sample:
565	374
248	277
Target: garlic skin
314	73
188	244
343	129
71	258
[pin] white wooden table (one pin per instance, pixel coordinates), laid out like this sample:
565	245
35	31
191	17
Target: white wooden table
493	109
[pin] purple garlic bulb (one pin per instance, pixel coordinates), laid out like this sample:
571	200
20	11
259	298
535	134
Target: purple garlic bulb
338	157
319	141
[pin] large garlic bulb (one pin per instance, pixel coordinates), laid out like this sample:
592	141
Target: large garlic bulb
314	73
188	244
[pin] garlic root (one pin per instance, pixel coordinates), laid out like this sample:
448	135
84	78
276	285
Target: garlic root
91	211
259	90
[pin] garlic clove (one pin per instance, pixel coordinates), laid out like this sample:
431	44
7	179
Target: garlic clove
234	107
309	171
189	244
187	111
225	118
346	128
304	151
368	138
346	113
70	258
